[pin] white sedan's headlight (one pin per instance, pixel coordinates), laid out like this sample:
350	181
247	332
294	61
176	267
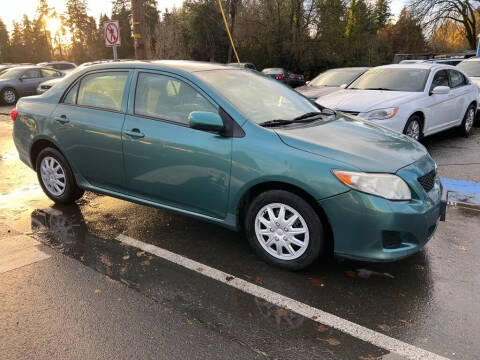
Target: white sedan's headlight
381	114
388	186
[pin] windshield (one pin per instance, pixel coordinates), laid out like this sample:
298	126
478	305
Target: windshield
335	77
257	97
273	71
471	68
393	79
10	73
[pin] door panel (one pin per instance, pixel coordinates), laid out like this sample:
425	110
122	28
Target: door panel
177	165
460	91
442	107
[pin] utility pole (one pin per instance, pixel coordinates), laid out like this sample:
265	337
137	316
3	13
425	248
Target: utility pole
138	18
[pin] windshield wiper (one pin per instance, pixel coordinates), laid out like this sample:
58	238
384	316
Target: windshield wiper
378	88
307	115
275	122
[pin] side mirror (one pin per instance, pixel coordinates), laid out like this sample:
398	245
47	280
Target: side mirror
205	120
440	90
343	86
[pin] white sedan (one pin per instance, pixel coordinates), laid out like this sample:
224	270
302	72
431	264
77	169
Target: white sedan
413	99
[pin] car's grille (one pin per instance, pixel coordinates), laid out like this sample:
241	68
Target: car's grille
427	181
354	113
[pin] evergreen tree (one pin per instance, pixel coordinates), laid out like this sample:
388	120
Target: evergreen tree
121	11
4	43
381	13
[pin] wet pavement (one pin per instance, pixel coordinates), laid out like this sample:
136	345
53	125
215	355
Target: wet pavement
429	300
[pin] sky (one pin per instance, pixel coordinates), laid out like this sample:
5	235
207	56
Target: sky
11	10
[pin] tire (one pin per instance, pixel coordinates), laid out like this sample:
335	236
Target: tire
8	96
298	256
414	126
466	126
55	167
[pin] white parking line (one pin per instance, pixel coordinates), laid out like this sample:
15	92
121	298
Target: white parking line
336	322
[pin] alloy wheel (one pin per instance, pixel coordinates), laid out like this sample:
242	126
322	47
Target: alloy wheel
413	130
469	120
53	176
9	96
281	231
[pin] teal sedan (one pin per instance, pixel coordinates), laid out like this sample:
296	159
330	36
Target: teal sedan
238	149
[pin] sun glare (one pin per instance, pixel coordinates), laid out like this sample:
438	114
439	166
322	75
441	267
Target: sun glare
53	25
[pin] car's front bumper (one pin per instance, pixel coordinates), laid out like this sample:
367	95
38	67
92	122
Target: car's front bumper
367	227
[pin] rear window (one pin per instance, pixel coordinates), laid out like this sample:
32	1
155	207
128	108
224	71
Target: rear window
103	90
471	68
273	71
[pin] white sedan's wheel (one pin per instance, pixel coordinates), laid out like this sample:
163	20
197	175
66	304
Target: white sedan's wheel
281	231
469	119
413	128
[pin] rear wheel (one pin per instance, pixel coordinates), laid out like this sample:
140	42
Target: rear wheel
56	177
8	96
468	120
413	128
284	230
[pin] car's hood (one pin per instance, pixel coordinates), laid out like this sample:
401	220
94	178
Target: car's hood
314	92
365	100
356	142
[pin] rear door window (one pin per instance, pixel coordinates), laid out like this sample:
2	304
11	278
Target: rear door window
168	98
32	74
103	90
50	73
71	97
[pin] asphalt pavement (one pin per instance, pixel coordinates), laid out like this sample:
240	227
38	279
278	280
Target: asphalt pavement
77	291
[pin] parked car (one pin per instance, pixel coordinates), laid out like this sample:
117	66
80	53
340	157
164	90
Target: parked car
243	65
471	68
47	85
330	81
255	155
285	76
414	99
62	66
446	61
23	81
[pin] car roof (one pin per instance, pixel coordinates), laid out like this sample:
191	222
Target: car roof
182	65
475	58
350	68
422	65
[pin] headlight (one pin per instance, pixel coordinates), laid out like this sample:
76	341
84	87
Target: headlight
388	186
381	114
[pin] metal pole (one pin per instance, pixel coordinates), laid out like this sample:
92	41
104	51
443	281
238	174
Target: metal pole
115	53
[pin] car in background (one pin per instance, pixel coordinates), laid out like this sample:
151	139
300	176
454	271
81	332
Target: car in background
257	156
414	99
243	65
445	61
47	85
22	81
471	67
63	66
285	76
330	81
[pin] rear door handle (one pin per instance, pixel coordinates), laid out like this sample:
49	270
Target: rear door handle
62	119
134	133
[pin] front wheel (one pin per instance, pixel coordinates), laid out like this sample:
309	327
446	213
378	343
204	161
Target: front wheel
284	230
468	120
56	177
413	128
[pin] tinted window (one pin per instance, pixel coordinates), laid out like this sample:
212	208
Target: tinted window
49	73
63	66
71	97
393	79
32	74
440	79
335	77
167	98
257	97
273	71
103	90
456	79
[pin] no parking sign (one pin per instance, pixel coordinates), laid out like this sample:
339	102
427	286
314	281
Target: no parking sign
111	33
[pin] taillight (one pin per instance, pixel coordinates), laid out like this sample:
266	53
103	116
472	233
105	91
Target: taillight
279	77
14	114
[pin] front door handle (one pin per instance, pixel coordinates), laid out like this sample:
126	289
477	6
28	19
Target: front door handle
135	133
62	119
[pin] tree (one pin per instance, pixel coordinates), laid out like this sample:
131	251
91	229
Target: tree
44	12
4	43
151	22
122	12
381	13
360	30
435	13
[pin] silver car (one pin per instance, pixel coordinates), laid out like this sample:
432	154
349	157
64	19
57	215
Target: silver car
23	81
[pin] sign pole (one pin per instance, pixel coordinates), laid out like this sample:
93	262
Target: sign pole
115	53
